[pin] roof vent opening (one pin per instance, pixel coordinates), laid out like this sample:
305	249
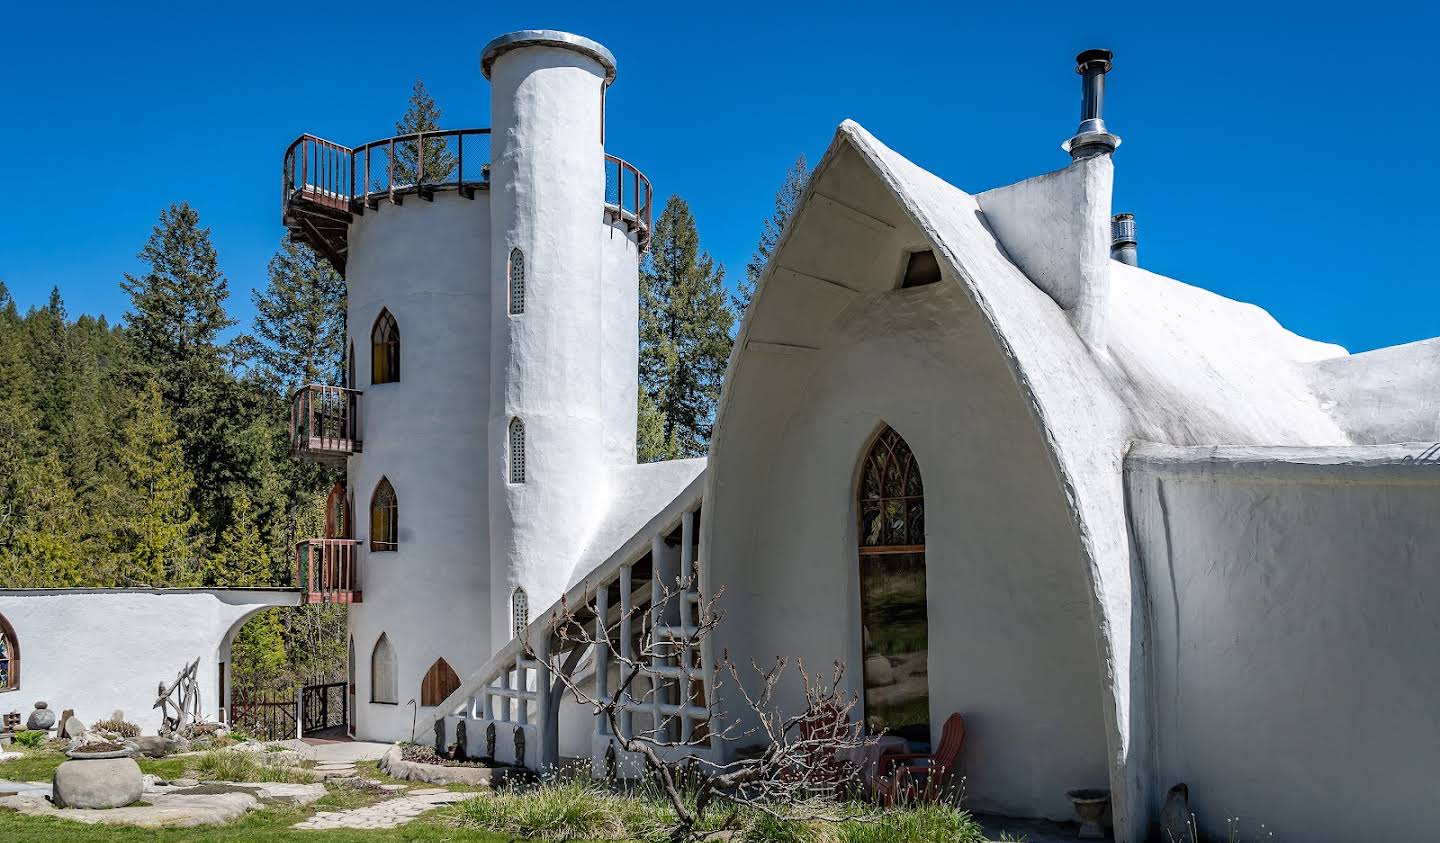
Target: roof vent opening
1122	239
922	268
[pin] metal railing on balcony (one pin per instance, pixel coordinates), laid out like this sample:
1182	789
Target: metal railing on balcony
327	570
628	195
349	180
324	423
325	184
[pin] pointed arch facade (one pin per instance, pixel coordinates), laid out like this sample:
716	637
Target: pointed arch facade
384	518
385	349
440	682
384	672
9	657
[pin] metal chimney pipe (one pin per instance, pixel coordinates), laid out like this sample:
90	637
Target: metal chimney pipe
1092	138
1122	239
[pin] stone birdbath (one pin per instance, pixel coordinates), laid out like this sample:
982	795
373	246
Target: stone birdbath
1090	805
97	776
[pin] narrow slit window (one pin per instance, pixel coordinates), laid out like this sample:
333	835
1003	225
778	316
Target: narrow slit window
517	451
520	611
517	281
384	518
385	349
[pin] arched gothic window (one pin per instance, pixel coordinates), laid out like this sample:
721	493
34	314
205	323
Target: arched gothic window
520	611
440	682
894	612
384	674
517	281
9	657
384	517
517	450
385	349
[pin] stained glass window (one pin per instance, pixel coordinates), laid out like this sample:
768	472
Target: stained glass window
892	498
894	614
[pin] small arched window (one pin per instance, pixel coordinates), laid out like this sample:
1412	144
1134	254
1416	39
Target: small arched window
384	517
440	682
385	349
517	281
520	611
384	675
517	451
9	657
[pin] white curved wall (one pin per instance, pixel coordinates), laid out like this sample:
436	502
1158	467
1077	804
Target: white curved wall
619	338
547	168
1294	635
1011	638
429	264
99	650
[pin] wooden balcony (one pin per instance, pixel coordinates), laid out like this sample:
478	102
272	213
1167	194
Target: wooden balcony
328	571
324	423
326	185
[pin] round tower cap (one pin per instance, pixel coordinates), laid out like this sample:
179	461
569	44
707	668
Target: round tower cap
547	38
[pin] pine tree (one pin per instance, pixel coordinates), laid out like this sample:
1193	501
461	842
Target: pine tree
650	442
786	199
152	530
299	321
42	544
178	306
685	323
257	657
242	557
422	115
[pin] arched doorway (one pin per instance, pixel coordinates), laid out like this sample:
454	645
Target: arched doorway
894	615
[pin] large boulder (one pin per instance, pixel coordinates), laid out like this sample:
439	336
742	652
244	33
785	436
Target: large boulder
97	783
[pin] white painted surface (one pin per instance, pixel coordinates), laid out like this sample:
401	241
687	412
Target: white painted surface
620	339
429	263
98	650
547	170
1294	596
832	351
1386	395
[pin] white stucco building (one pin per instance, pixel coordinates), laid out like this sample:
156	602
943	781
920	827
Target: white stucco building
1135	532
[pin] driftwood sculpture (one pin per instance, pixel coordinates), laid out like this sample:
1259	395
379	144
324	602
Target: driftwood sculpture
185	691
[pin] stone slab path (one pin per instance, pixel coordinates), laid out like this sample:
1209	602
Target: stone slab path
388	814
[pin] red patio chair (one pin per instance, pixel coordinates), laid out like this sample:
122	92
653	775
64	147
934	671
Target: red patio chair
918	776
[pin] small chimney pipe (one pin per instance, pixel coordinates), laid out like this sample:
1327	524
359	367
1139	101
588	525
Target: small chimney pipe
1122	239
1092	138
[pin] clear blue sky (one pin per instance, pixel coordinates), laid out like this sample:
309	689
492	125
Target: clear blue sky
1283	158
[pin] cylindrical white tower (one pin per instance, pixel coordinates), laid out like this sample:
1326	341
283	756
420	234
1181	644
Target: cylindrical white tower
424	266
548	473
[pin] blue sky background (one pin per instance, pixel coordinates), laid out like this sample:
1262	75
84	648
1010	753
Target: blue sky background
1275	156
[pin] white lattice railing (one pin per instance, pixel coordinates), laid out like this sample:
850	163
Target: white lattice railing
508	709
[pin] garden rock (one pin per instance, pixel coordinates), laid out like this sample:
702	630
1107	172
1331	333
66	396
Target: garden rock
154	746
98	783
42	719
73	727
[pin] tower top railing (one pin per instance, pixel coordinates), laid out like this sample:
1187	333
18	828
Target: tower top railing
325	183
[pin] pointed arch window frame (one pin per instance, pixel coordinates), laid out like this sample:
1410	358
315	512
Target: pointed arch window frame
9	657
392	678
384	517
519	611
439	682
876	494
385	348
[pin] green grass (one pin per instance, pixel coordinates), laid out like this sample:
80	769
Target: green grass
222	765
40	766
269	826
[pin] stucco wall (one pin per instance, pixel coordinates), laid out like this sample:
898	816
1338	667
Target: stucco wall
429	263
547	168
1294	597
98	650
1011	642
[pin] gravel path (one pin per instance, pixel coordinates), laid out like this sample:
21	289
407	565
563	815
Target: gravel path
387	814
